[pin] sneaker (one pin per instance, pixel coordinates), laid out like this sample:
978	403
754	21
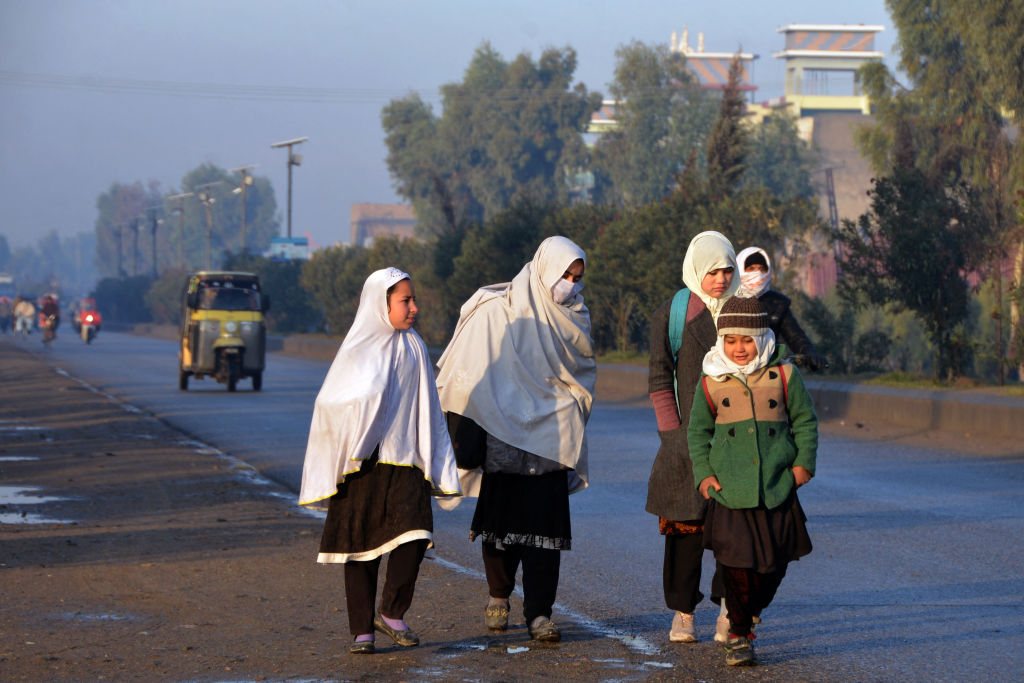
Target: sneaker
496	617
739	651
544	630
682	629
722	629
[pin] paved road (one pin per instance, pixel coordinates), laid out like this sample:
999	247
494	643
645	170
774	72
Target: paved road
917	569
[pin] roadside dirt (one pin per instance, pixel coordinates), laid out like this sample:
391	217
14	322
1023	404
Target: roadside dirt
167	560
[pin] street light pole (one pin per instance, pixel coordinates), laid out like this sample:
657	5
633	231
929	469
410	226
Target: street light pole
246	181
180	198
293	160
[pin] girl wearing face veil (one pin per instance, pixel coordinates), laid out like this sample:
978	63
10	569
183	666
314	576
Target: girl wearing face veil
378	448
709	275
521	368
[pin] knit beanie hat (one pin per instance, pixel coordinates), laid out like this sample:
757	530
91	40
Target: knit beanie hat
744	316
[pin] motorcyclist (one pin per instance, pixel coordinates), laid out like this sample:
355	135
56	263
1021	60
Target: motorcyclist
49	308
24	312
88	314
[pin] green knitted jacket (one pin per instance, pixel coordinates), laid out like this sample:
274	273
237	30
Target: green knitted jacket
754	435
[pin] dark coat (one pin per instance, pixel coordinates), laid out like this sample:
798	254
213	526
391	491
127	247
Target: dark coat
671	493
784	325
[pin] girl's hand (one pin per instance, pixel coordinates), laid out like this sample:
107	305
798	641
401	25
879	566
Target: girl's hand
801	476
707	483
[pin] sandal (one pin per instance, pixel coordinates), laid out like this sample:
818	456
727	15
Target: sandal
496	617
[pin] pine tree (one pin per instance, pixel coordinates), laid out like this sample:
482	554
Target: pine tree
730	139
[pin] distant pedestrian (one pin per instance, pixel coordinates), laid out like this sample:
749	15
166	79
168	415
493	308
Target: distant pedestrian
755	281
682	332
378	448
753	439
6	314
521	370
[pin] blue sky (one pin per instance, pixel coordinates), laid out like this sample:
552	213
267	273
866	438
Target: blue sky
94	92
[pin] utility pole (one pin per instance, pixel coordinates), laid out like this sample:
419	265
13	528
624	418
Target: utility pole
180	198
247	180
117	235
134	225
293	160
206	197
153	223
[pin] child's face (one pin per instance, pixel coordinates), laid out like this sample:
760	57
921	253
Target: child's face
402	308
755	267
717	282
740	349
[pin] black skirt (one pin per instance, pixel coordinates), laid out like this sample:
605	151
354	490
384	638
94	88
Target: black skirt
521	509
374	511
757	538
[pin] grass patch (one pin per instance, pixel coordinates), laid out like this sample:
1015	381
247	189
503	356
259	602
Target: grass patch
624	357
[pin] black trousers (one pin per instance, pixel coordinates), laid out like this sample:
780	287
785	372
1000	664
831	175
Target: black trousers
747	593
684	555
540	576
399	586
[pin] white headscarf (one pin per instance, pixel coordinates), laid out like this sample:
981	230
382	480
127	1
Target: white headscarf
718	366
522	366
379	391
755	283
708	251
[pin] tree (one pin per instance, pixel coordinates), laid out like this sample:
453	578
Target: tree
912	250
120	226
662	115
729	142
508	130
963	62
226	217
778	160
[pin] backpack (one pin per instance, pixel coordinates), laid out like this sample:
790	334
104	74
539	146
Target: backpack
676	325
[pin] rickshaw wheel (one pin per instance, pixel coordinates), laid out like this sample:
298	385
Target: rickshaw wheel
182	380
257	381
234	370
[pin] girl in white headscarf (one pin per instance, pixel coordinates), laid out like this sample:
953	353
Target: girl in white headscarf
521	366
709	274
378	448
755	271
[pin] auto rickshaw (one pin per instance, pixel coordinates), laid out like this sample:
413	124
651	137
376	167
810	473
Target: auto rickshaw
223	334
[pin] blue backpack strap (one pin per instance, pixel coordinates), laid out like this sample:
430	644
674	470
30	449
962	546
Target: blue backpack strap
677	320
676	325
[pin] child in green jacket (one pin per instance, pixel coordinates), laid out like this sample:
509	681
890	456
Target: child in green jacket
753	439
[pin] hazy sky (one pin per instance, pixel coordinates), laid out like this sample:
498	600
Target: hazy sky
94	92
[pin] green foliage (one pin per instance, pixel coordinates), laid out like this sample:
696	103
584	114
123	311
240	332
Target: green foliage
164	296
123	300
663	118
509	130
335	277
912	250
292	307
779	161
729	142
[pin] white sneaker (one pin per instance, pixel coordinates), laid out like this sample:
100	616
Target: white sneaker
682	629
722	629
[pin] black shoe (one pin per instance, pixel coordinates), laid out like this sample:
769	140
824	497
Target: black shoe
739	651
404	638
363	647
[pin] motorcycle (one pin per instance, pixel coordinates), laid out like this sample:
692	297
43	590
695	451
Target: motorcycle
87	320
49	329
89	327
